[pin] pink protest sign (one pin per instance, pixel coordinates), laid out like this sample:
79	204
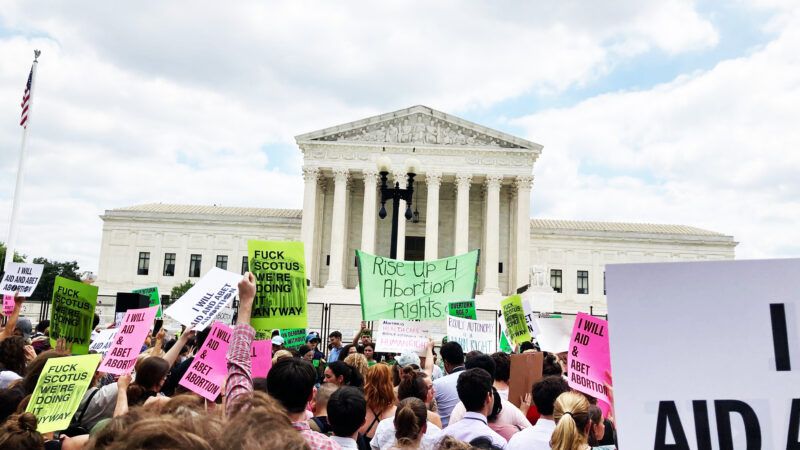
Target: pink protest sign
261	358
8	304
589	359
209	367
133	330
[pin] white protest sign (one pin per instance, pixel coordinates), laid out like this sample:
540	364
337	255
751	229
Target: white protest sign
706	355
103	340
530	317
554	333
225	315
478	335
398	336
22	278
200	304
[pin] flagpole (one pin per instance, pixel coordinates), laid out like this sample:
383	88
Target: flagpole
11	242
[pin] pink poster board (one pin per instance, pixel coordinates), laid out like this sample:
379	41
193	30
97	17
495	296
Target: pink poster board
209	367
8	304
589	359
133	330
261	358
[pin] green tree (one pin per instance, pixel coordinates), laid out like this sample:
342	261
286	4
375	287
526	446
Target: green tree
53	269
17	256
179	290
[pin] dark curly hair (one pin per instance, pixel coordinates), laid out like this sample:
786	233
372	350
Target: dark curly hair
12	354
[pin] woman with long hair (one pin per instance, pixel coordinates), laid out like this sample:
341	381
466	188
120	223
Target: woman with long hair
379	392
571	413
410	423
342	374
415	383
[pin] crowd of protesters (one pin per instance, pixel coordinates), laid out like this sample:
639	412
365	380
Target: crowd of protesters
352	397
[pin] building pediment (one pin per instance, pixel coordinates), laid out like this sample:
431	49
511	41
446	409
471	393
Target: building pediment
418	126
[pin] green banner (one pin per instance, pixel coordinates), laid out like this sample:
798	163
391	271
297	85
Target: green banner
72	313
281	295
414	290
514	315
155	299
294	337
60	389
465	310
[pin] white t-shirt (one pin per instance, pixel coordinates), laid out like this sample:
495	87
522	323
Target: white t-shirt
7	377
384	436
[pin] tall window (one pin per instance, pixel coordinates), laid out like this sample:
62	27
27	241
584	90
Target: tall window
194	265
144	263
169	264
222	262
245	266
555	280
583	282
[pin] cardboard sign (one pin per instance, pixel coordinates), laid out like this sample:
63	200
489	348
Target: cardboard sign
103	341
128	342
203	301
260	358
209	366
478	335
8	304
526	369
72	314
155	299
294	337
514	316
398	336
588	357
22	278
60	389
281	294
465	309
414	290
739	321
554	333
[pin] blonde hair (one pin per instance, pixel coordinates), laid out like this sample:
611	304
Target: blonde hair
571	413
358	361
280	354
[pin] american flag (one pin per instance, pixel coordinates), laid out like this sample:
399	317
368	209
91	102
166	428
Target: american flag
26	101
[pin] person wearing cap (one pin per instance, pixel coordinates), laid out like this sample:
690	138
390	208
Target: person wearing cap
24	329
277	343
313	340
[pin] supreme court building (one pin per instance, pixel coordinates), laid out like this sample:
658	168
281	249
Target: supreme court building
473	191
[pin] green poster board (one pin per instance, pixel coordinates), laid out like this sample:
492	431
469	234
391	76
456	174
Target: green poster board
155	299
72	313
514	315
294	337
465	310
281	295
414	290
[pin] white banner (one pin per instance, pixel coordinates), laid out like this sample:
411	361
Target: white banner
554	333
22	278
102	340
200	304
398	336
706	355
478	335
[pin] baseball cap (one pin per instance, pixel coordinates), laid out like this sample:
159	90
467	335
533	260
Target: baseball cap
277	340
313	336
24	326
407	358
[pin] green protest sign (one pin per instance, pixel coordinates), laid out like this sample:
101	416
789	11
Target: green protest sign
60	389
294	337
514	315
72	313
414	290
281	295
155	299
465	310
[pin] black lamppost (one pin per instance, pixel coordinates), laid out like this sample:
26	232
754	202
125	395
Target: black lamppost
396	194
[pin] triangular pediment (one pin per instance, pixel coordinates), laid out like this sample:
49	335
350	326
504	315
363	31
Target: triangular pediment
421	126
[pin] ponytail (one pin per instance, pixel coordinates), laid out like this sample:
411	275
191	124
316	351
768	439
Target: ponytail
409	419
19	432
571	413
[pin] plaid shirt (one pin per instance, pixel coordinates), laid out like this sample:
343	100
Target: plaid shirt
240	380
317	441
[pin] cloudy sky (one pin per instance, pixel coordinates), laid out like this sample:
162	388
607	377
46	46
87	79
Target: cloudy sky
663	111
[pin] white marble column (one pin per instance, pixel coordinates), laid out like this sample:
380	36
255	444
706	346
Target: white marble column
463	181
492	223
338	237
523	229
401	177
434	181
307	235
368	220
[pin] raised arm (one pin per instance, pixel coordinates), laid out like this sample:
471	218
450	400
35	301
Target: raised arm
240	380
121	407
429	359
11	323
172	355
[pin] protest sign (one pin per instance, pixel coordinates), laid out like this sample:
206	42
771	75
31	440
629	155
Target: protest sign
261	358
8	304
735	321
414	290
103	341
72	314
554	333
281	295
152	294
22	278
514	316
225	315
530	317
526	369
126	301
465	309
293	337
203	301
209	367
133	330
588	357
398	336
478	335
60	389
